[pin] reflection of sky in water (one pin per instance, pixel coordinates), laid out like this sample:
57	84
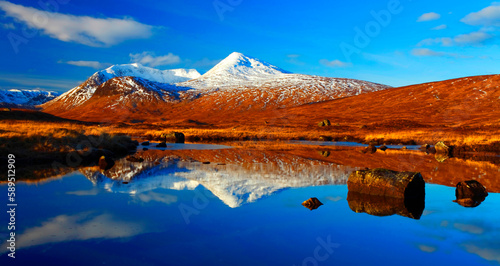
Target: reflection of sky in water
72	221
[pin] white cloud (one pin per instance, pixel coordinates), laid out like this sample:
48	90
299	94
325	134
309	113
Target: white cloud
440	27
426	52
428	17
334	63
98	32
92	64
473	38
431	53
150	59
489	16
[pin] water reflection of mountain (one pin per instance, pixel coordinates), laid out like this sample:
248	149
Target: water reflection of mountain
234	176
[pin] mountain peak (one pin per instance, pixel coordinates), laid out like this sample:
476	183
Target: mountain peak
243	66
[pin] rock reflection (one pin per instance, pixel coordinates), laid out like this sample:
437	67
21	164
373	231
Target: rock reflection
470	193
312	203
386	206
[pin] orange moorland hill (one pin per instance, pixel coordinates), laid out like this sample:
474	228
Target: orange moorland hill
463	102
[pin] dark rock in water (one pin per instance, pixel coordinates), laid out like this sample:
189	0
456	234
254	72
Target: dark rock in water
470	193
425	147
325	154
370	149
324	123
134	159
386	206
387	183
443	149
135	143
325	138
175	137
145	143
382	148
162	145
312	203
206	163
106	163
145	149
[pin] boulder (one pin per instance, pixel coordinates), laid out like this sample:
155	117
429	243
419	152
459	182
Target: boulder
312	203
162	145
383	148
106	163
145	143
325	154
370	149
175	137
324	123
442	149
383	182
470	193
386	206
325	138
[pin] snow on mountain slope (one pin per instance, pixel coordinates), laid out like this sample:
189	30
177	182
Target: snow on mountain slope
25	98
84	92
236	69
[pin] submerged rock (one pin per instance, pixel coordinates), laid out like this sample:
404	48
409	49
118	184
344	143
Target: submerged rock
312	203
383	148
470	193
385	182
145	143
386	206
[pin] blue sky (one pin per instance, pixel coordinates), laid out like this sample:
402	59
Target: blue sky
57	44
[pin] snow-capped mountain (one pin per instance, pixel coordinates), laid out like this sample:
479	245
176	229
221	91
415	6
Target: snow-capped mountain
238	83
236	69
25	98
85	91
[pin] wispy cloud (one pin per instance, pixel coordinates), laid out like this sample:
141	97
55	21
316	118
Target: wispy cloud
294	59
474	38
153	196
98	32
150	59
424	52
38	81
92	64
429	17
440	27
334	63
489	16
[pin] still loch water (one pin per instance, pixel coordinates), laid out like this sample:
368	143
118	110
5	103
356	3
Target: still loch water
243	207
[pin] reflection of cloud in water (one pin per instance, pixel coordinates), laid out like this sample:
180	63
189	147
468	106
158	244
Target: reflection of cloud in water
426	248
488	251
469	228
334	199
153	196
81	226
91	192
